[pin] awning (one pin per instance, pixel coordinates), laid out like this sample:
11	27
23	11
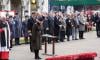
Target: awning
74	2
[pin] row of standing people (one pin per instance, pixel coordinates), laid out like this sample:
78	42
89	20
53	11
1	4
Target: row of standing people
10	28
57	24
60	24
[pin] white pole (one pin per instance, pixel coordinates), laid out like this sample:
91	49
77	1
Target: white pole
45	6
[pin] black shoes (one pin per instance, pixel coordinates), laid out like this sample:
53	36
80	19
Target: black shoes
82	38
38	58
76	39
17	44
98	36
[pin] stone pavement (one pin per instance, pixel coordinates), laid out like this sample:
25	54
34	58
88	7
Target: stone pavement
90	44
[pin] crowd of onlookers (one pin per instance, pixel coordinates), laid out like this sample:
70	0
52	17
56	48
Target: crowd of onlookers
54	23
57	24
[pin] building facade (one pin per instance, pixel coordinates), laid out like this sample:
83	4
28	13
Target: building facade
19	6
24	7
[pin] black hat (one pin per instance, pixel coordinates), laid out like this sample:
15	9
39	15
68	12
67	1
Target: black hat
40	18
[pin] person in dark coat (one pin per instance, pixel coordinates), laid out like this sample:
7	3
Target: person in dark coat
97	21
12	26
4	36
56	26
36	37
2	33
50	28
68	28
17	29
30	23
25	29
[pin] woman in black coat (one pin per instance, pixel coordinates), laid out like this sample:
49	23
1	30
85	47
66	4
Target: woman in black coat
36	37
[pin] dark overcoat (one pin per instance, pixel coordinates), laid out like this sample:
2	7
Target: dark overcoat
25	28
35	43
68	27
17	27
97	21
56	26
51	24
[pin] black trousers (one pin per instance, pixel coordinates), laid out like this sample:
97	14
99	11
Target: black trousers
11	43
17	41
62	36
98	33
68	38
30	37
81	34
56	33
36	53
2	39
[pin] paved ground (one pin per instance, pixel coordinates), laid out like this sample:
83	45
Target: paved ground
90	44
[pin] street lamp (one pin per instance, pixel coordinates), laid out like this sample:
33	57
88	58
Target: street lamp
33	1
